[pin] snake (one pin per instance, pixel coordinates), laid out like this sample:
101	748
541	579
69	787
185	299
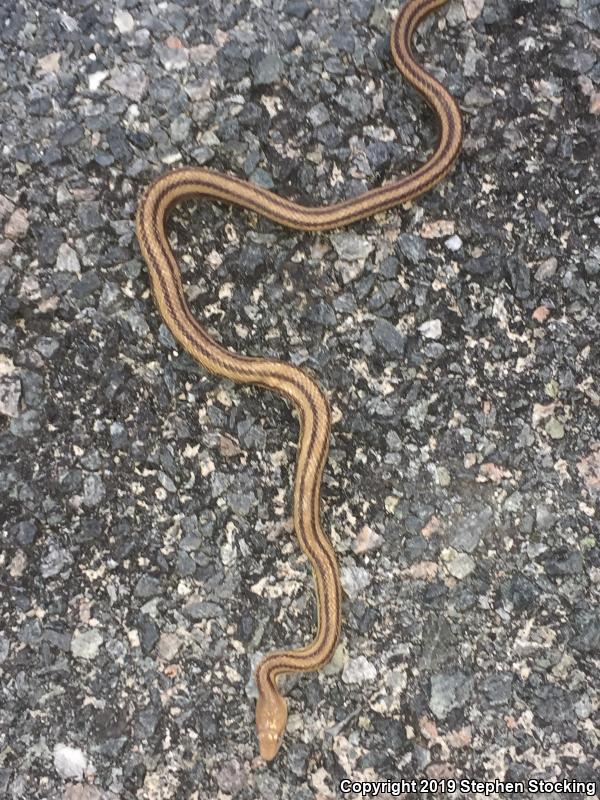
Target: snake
286	379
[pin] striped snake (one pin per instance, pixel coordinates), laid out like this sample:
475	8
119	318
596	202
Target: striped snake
285	379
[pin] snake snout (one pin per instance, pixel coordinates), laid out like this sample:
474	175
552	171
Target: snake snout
271	719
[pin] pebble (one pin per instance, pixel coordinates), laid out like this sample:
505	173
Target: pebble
17	225
432	329
180	128
470	528
10	395
354	580
359	671
546	270
587	632
231	777
169	645
589	14
589	471
298	8
147	586
318	115
55	560
4	648
149	633
268	70
454	243
6	250
473	8
322	313
350	246
93	490
459	565
124	21
131	82
562	562
479	96
366	539
70	762
26	424
498	689
197	609
50	63
90	217
554	428
412	247
389	337
96	79
350	272
482	266
86	644
6	207
173	56
449	691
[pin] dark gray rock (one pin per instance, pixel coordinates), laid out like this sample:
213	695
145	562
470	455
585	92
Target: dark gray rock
412	247
553	705
321	313
298	8
587	627
470	528
89	216
519	277
149	633
449	690
267	70
484	266
389	338
498	689
197	609
589	13
147	722
147	586
562	562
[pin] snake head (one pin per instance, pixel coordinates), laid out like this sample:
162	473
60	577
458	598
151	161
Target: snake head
271	718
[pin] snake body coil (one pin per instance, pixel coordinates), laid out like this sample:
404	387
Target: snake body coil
285	379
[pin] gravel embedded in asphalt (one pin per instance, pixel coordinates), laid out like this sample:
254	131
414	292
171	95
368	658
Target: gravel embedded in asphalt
147	553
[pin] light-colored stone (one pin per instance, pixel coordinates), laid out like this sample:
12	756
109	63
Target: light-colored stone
437	228
359	670
67	259
432	329
69	762
473	8
367	539
17	225
589	471
124	21
169	645
351	247
454	243
131	82
459	565
50	63
10	395
86	644
354	580
96	79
